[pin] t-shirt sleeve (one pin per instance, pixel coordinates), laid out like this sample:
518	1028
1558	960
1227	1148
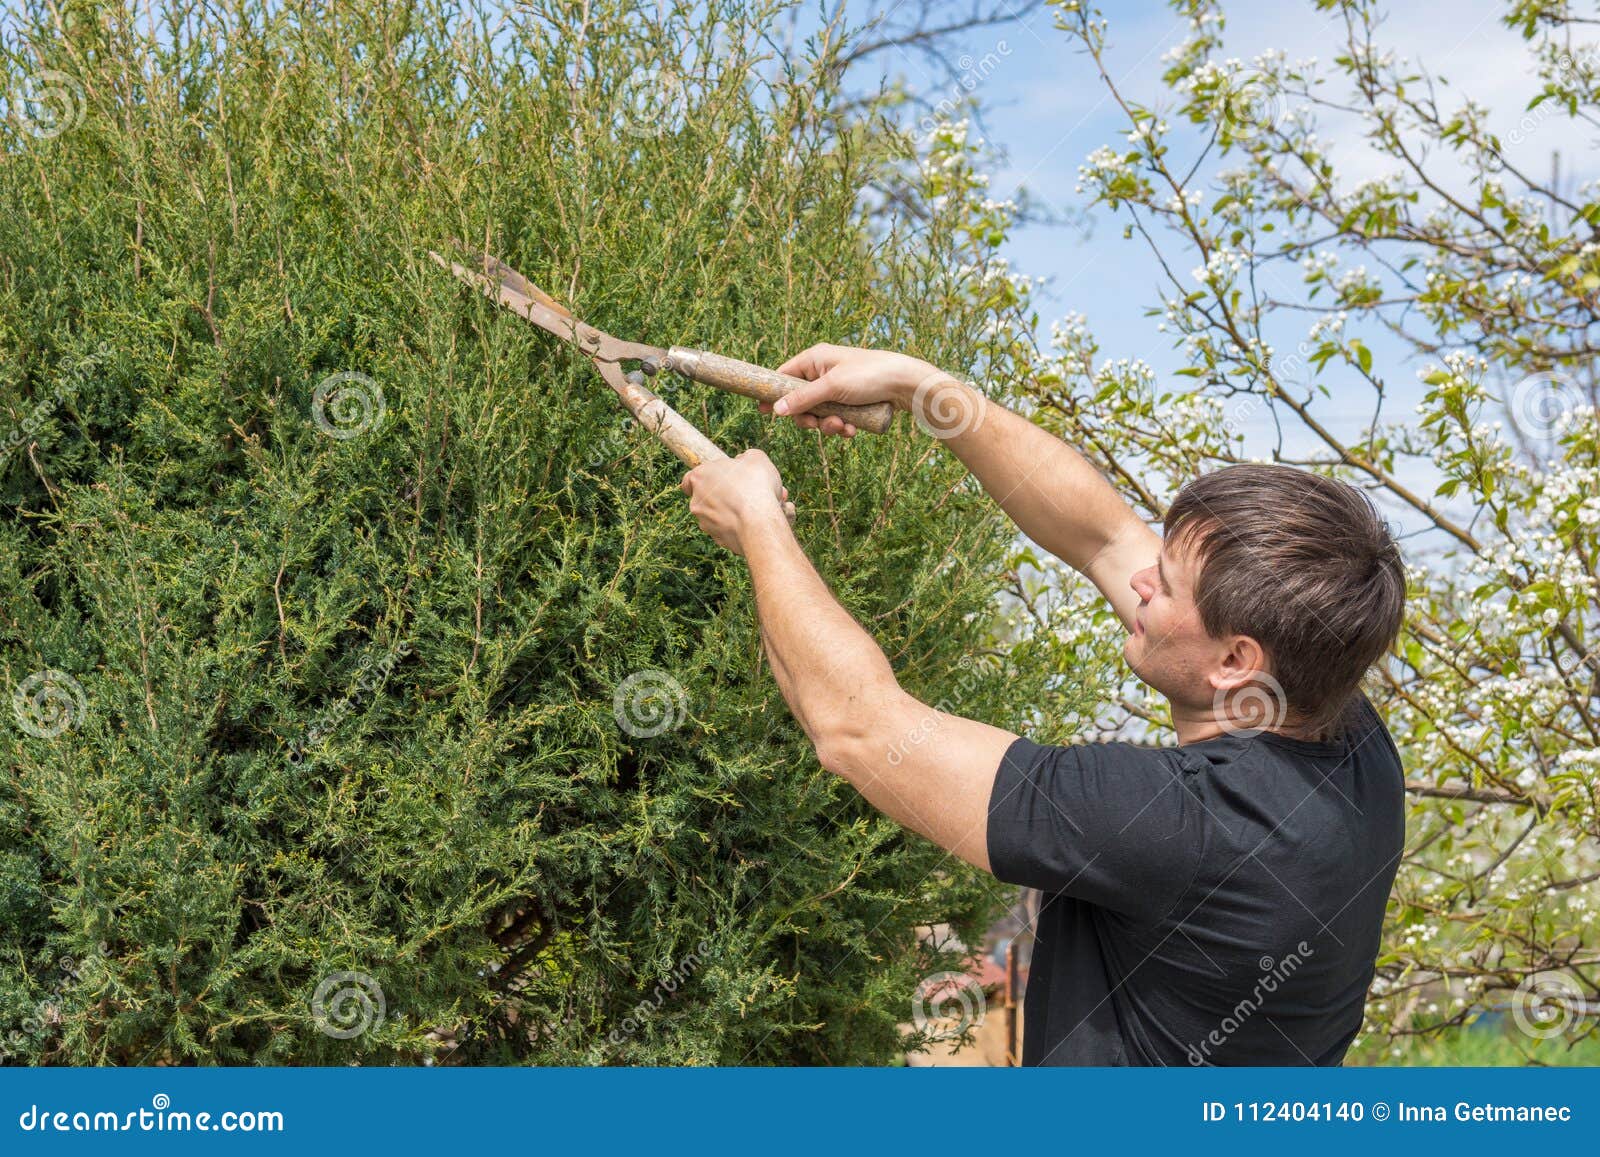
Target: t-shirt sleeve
1115	824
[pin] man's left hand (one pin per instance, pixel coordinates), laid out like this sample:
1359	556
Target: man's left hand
728	497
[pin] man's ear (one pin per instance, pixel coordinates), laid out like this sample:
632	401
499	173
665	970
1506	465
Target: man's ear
1242	658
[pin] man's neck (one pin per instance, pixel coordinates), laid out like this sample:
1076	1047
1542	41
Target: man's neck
1197	727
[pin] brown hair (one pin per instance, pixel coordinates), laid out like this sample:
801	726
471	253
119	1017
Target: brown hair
1304	565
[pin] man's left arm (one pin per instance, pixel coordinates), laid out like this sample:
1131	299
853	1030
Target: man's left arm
928	770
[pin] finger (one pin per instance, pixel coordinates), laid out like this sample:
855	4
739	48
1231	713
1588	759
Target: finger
849	430
833	425
806	421
687	485
808	363
802	398
764	407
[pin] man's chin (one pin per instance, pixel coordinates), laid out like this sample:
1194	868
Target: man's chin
1133	654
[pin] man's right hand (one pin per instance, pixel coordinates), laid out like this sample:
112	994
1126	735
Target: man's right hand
857	377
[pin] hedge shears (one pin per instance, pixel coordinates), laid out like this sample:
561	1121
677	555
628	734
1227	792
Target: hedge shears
495	279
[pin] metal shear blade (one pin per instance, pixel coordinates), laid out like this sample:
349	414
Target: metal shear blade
499	280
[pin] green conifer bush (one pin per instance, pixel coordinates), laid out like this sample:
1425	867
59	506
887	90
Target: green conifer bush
373	696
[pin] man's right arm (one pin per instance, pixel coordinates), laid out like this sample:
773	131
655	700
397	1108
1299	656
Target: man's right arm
1053	494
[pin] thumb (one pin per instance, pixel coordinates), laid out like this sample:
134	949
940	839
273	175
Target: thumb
802	398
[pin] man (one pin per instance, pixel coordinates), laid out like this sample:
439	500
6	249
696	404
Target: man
1217	902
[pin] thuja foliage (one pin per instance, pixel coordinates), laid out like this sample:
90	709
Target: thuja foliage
326	588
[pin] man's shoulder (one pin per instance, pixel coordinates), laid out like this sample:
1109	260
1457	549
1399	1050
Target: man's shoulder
1366	728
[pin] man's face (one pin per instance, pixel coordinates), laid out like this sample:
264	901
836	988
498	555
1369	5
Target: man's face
1169	648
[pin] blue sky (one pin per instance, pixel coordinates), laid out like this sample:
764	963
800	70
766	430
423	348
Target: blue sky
1046	109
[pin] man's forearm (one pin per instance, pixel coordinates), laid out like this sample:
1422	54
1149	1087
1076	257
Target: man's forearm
927	770
829	669
924	768
1052	492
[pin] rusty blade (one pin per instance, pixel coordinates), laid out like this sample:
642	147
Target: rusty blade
497	279
506	275
498	270
558	322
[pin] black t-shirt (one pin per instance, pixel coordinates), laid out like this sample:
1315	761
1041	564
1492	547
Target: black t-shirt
1215	903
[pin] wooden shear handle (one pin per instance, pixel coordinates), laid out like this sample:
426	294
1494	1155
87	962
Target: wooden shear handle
676	432
768	386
